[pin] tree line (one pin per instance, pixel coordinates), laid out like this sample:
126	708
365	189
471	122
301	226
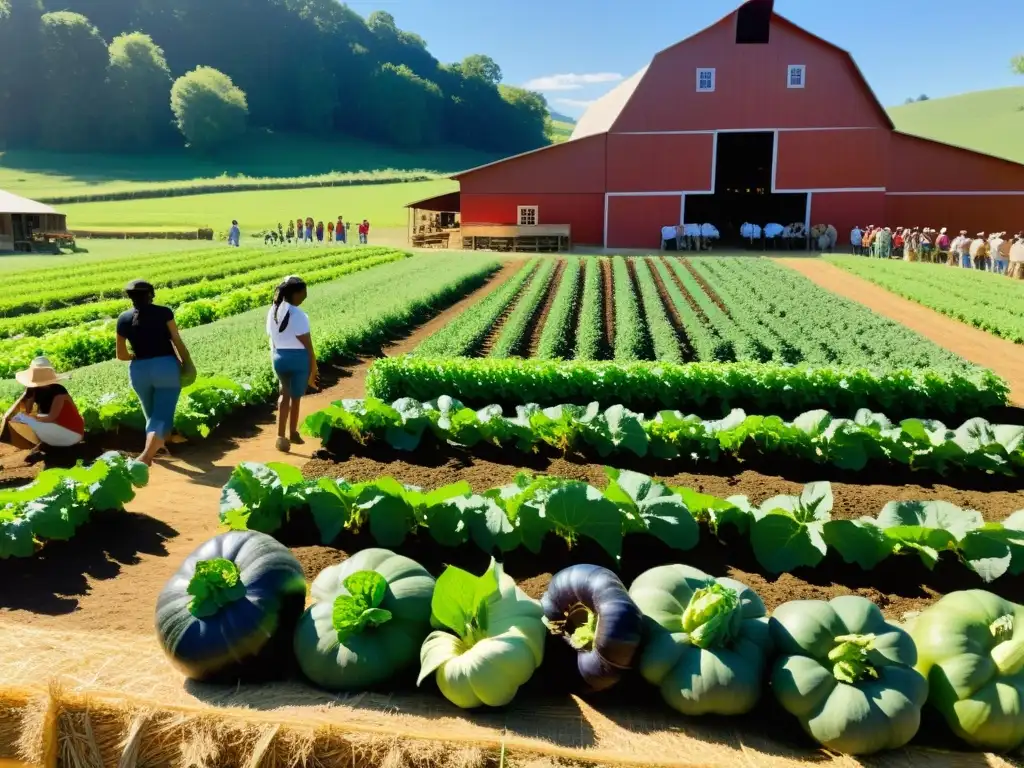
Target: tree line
140	75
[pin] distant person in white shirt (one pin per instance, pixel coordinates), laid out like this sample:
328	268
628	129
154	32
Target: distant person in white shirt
857	240
692	234
773	231
670	238
294	361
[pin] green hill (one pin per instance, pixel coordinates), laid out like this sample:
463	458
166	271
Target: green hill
985	121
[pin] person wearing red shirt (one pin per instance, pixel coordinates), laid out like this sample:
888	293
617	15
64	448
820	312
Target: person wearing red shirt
364	231
44	416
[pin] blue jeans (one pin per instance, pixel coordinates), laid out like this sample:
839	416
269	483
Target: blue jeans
157	382
1001	266
292	369
965	260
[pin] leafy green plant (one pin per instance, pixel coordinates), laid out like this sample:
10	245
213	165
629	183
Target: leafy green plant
707	387
591	329
815	436
663	335
557	336
513	333
631	340
704	337
58	501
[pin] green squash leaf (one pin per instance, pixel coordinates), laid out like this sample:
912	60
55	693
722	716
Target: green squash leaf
986	552
15	537
782	543
577	509
460	601
861	542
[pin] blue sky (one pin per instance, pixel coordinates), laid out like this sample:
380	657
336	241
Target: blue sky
904	47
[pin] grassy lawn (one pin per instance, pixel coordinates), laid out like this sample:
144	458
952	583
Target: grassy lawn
985	121
382	204
261	156
98	251
560	131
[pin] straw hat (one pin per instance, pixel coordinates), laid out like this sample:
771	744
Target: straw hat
942	231
40	373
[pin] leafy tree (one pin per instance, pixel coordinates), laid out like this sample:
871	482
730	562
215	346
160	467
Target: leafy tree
209	109
20	43
74	59
529	118
382	22
139	81
406	109
1017	63
481	67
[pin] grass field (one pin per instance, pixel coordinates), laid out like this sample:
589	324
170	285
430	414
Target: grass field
986	121
560	131
260	157
382	204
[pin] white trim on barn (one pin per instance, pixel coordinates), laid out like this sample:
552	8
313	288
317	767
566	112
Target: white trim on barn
956	194
828	190
742	130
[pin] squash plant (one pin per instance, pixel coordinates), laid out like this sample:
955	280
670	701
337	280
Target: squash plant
230	610
847	674
368	619
707	640
491	642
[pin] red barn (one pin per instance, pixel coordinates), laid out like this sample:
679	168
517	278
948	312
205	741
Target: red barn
752	119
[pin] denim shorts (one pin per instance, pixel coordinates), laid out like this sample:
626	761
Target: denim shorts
292	369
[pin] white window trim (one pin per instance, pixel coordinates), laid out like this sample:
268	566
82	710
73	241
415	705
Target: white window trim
803	75
701	71
519	215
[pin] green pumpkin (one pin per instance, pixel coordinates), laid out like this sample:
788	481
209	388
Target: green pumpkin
369	617
847	674
707	640
970	646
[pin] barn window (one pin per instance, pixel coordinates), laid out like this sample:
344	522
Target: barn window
527	215
797	76
705	80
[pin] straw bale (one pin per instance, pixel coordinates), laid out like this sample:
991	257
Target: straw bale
84	700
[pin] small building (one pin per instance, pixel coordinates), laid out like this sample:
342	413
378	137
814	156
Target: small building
23	221
752	119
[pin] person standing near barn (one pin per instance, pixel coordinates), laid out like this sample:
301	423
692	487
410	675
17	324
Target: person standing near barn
159	362
979	251
294	362
364	232
309	229
339	231
856	240
234	234
1003	259
942	247
1016	270
330	232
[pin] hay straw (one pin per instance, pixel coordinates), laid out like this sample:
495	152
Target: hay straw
98	701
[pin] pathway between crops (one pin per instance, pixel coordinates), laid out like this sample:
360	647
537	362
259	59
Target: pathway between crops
74	586
984	349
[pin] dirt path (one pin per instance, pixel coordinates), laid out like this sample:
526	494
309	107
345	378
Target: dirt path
608	298
984	349
73	584
539	319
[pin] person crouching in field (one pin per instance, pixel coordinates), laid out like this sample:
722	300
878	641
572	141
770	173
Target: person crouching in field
294	361
339	231
159	363
45	416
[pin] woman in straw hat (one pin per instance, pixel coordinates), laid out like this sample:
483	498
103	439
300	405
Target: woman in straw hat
292	356
160	364
45	415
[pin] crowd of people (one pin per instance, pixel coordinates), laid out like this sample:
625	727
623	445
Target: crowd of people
45	418
997	252
306	230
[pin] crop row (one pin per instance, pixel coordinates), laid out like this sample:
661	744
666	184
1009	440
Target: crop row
664	339
557	335
232	358
270	275
815	436
822	328
512	338
71	348
58	501
465	333
590	331
977	298
189	267
704	338
785	532
630	334
710	388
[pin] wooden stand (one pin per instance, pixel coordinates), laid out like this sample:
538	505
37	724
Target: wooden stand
541	238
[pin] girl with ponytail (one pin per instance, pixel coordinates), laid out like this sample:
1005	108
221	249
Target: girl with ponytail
160	364
291	351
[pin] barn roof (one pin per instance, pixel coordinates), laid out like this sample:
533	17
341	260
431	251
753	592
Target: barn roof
600	116
12	203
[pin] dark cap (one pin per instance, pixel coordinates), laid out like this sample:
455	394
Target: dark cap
138	286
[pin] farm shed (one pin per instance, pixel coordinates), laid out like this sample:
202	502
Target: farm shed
20	217
752	119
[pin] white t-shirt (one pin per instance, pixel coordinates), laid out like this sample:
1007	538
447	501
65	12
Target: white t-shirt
298	325
773	230
668	233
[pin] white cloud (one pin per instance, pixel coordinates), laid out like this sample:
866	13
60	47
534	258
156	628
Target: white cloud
570	82
577	103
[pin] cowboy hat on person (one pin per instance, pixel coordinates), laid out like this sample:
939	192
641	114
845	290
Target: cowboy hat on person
40	373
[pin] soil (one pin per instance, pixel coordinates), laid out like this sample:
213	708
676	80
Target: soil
706	287
673	316
1003	357
72	585
689	299
539	319
899	586
484	349
608	298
